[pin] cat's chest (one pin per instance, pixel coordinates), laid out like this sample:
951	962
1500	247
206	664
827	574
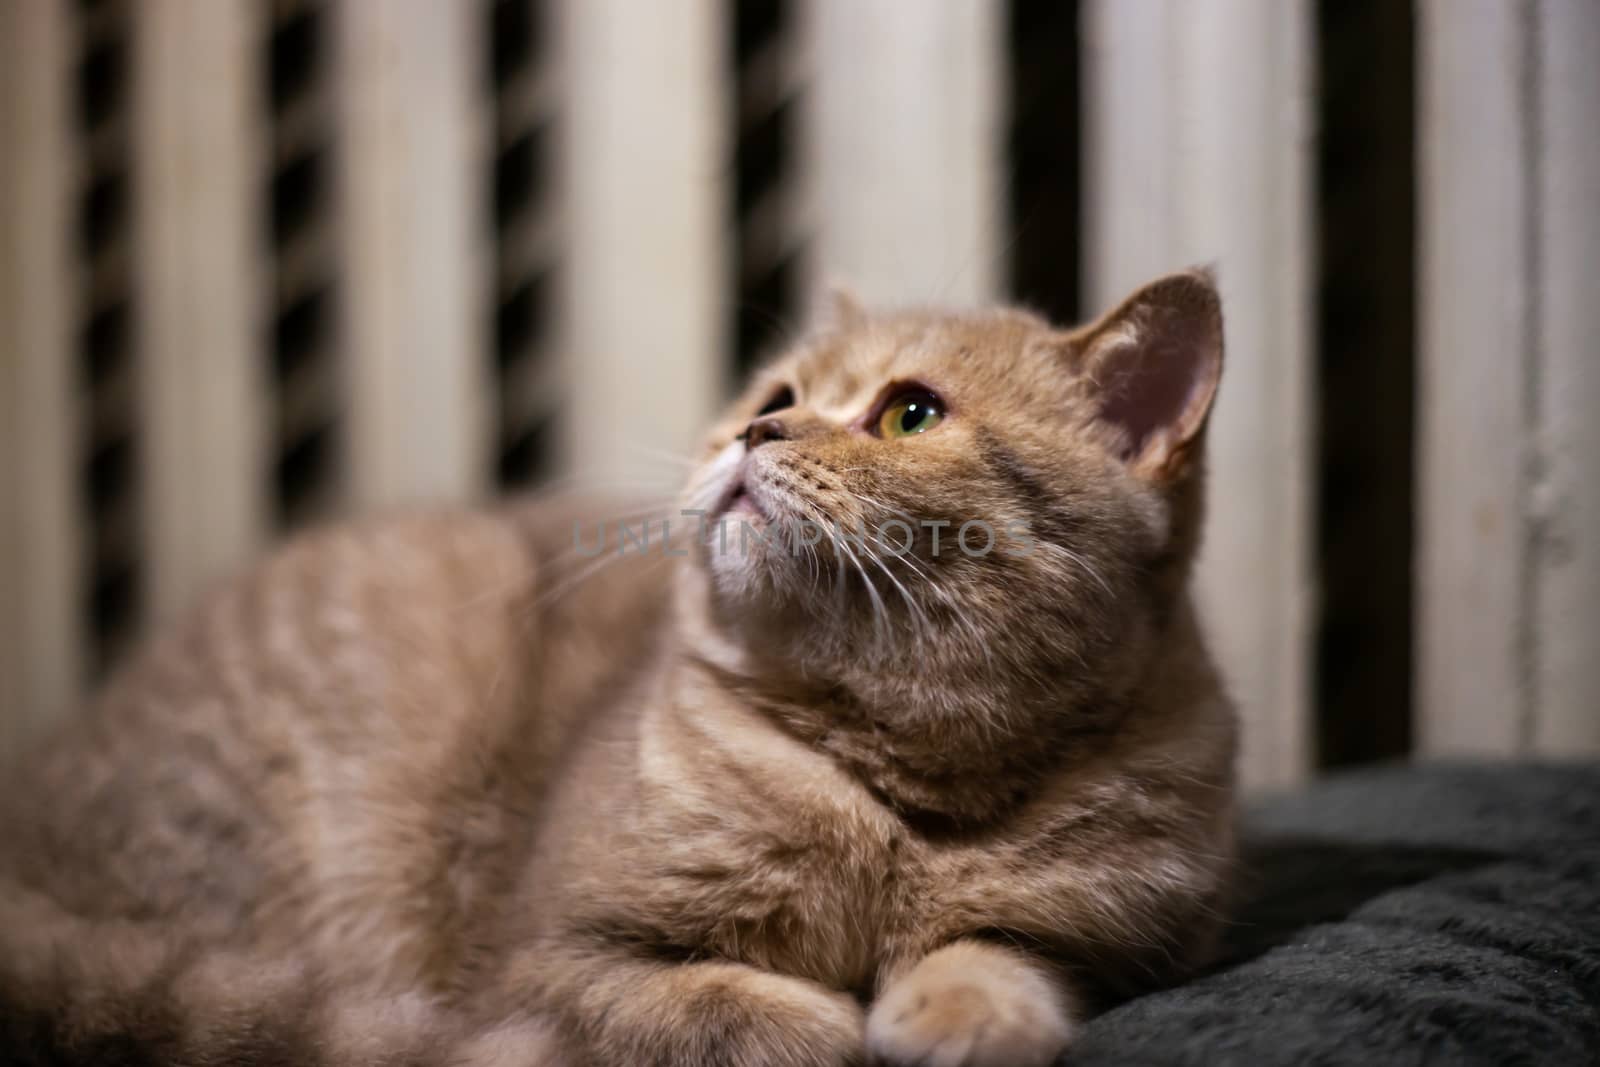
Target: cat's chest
814	896
759	848
801	873
838	890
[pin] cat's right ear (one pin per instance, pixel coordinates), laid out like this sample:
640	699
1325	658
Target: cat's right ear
1152	367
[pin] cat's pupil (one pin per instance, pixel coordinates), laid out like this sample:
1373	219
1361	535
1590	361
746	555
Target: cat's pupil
909	415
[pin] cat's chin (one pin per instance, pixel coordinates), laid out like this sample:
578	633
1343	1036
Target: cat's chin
754	582
744	575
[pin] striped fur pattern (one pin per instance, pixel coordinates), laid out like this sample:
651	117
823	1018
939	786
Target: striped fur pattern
436	789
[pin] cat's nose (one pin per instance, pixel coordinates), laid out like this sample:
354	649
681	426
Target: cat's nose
766	428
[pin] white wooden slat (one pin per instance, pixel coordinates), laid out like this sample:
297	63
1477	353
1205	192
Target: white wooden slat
1566	500
408	80
41	655
202	372
1135	133
1474	318
643	173
1198	142
903	145
1472	385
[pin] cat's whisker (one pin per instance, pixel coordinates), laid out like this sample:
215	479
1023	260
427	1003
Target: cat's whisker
786	331
703	492
923	625
958	617
583	575
813	563
880	611
604	481
559	560
594	563
922	571
814	515
898	513
663	455
1072	556
920	625
1078	559
839	572
920	619
908	556
647	518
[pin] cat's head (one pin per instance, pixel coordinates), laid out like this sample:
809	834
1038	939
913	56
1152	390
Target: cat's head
965	494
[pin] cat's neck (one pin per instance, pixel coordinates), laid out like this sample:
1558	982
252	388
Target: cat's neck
958	770
944	748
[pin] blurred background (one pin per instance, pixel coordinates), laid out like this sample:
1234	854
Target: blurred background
267	263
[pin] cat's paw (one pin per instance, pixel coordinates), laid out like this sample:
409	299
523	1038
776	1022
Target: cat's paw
726	1015
969	1005
793	1022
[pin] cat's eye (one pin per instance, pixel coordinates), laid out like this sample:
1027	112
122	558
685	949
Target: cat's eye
917	411
783	398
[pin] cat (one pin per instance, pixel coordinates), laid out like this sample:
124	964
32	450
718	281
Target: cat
804	785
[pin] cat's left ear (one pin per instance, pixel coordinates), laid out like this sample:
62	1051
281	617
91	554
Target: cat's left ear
836	309
1153	365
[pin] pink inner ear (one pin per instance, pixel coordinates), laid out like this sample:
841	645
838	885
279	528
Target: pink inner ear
1151	388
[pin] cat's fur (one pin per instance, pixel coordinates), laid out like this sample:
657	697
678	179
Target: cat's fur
394	798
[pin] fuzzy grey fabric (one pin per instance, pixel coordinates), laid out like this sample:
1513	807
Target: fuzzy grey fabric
1429	915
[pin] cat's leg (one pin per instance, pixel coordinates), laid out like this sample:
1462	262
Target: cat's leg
971	1004
622	1010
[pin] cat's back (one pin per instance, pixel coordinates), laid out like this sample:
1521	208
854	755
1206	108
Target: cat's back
353	727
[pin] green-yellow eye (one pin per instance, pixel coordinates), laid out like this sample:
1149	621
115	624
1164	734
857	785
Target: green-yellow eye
910	413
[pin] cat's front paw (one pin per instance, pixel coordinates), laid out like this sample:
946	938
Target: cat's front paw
796	1023
728	1015
969	1005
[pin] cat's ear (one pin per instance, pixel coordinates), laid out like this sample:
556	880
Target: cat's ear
1153	365
835	309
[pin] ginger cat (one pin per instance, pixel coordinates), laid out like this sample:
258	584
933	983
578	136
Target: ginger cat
822	789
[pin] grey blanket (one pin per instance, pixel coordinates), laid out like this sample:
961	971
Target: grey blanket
1439	915
1400	916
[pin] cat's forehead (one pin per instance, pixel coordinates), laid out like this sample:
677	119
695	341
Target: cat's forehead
839	368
